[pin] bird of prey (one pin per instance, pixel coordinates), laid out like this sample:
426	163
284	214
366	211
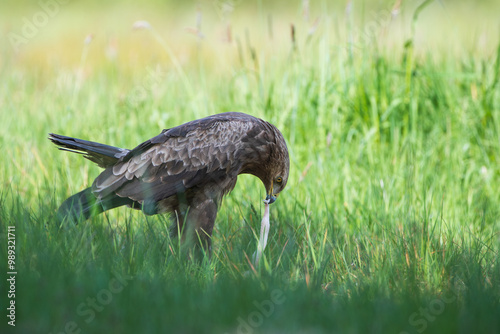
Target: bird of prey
185	170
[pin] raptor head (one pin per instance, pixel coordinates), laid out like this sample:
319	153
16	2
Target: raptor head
278	168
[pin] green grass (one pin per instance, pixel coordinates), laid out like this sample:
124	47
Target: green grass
390	220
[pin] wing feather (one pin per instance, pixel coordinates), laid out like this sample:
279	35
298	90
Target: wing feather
180	158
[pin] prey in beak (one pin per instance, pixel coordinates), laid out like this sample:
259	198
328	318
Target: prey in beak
271	198
264	225
264	234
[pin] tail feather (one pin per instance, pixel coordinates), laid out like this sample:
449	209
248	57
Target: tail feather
101	154
81	206
84	205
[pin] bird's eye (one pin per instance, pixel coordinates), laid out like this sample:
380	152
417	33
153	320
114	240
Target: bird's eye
279	179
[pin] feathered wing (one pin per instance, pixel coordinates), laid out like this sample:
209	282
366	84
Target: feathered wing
203	155
84	204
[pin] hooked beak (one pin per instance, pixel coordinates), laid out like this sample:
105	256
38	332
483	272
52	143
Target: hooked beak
270	199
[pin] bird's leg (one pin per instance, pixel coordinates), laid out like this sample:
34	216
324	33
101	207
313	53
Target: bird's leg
194	225
200	220
178	219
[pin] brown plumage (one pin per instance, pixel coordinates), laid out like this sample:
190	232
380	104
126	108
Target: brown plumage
185	170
